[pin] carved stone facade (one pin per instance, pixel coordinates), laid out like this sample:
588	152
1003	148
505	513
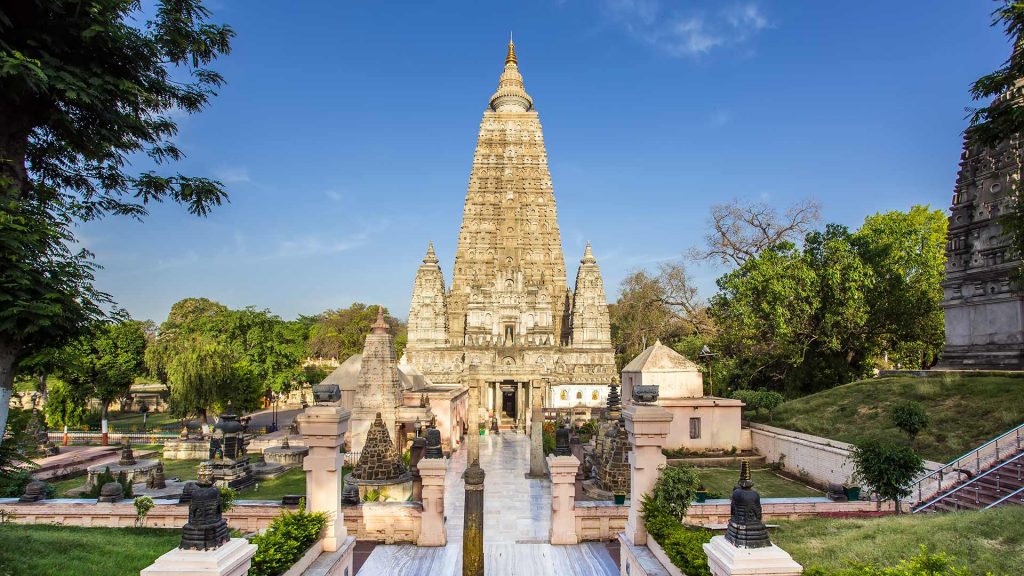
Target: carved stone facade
509	311
984	316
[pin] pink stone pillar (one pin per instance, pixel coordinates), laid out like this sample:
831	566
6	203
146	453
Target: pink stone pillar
563	498
647	427
432	529
323	428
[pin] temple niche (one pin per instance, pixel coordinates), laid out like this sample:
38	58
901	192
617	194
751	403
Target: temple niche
510	315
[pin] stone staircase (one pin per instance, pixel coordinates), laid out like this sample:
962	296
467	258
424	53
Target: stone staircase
974	482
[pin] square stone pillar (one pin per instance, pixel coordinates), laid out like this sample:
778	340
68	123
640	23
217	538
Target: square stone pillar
647	427
234	558
432	528
323	429
563	498
725	559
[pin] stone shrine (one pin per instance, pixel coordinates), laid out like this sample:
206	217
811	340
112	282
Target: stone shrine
380	467
984	315
510	312
228	465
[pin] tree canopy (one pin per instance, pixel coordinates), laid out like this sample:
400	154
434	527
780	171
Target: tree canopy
341	333
89	87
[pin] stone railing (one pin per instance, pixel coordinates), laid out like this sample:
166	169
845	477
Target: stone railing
599	521
153	437
387	523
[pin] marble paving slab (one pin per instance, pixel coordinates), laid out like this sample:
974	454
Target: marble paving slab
517	523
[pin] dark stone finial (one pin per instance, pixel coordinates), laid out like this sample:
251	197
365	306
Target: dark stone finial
350	495
433	444
284	442
157	481
326	393
746	529
206	528
228	440
562	441
645	394
127	456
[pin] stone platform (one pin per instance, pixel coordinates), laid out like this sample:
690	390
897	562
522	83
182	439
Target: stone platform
517	523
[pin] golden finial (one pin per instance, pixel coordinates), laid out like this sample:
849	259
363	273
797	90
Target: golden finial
511	57
744	470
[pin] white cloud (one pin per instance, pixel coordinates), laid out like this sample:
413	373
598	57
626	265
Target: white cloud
687	32
232	175
312	245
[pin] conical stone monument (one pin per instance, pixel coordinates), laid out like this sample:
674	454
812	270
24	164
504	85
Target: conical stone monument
380	467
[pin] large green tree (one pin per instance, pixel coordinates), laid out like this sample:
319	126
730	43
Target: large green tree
104	363
808	319
87	87
340	333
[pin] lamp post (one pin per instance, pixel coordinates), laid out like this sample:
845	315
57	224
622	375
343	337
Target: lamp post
706	355
417	426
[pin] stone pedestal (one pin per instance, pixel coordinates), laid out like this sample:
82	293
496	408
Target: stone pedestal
473	518
724	559
232	559
563	498
537	432
323	428
647	427
432	528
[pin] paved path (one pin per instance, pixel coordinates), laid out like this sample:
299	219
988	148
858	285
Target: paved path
517	521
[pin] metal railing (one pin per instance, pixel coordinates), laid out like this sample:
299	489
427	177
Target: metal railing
968	465
972	481
75	437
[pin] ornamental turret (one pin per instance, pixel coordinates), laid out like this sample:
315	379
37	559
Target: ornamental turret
591	324
428	314
511	95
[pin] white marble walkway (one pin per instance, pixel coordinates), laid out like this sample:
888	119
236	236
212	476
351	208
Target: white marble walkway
517	521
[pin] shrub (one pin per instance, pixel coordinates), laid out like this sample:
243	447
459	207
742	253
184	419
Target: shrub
676	488
910	417
227	498
12	484
371	495
285	541
768	400
549	438
143	504
888	468
684	545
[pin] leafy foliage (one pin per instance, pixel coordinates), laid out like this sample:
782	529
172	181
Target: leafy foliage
682	544
284	542
910	417
143	504
15	464
675	489
227	498
106	477
340	333
888	468
66	404
87	89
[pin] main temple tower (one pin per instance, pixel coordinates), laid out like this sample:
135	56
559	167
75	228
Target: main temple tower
509	312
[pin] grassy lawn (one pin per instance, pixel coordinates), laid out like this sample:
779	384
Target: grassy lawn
126	419
32	550
291	482
988	541
965	411
767	483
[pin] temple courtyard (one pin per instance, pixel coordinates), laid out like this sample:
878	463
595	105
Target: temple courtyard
517	521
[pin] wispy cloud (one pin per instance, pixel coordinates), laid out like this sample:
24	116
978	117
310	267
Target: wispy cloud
232	175
688	32
335	195
311	245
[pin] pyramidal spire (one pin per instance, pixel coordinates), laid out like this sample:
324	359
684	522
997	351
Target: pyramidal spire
380	326
431	257
588	256
511	95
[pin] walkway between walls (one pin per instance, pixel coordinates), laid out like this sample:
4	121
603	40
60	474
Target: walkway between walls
517	522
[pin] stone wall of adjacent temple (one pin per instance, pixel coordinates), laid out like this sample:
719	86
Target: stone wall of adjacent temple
388	523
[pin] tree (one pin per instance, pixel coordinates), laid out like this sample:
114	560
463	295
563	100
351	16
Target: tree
201	373
888	468
675	489
86	90
910	417
340	333
742	230
104	364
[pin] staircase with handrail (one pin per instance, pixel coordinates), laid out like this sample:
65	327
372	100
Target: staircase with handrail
990	475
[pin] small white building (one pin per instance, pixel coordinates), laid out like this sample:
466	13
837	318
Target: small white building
700	423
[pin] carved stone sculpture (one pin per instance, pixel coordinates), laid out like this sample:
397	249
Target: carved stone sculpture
206	528
746	529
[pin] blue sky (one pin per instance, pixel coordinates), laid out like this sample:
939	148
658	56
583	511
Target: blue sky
346	131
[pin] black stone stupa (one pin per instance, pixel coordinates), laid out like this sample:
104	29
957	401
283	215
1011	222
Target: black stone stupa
746	530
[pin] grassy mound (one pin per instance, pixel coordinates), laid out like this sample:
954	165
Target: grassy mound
987	541
965	411
32	550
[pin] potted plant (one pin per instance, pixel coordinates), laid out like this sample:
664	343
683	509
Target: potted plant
852	492
700	495
620	499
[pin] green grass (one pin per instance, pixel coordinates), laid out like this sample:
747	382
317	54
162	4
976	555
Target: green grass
291	482
988	541
34	550
767	483
965	411
126	419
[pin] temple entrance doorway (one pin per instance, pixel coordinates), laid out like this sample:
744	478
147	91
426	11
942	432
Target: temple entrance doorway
509	404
